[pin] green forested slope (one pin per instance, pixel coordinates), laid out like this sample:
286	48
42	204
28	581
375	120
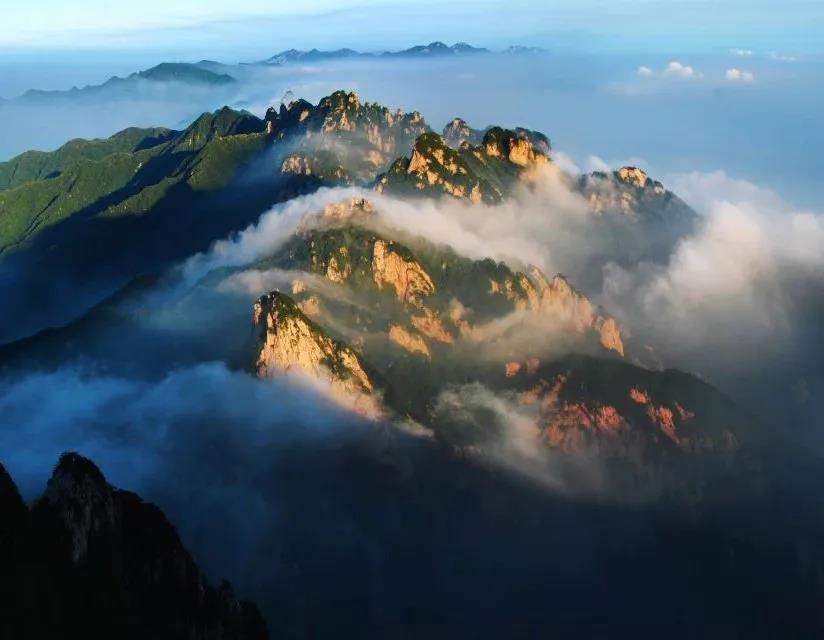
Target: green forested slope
129	173
37	165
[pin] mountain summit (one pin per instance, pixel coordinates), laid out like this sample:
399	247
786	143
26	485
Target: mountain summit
89	560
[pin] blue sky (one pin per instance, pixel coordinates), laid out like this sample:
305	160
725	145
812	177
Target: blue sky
247	28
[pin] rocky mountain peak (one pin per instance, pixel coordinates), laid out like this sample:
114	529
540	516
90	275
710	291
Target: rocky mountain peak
458	132
633	175
337	112
341	139
340	101
502	143
93	561
484	173
79	495
631	194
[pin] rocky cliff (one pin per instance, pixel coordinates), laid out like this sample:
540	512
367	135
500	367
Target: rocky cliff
288	341
89	560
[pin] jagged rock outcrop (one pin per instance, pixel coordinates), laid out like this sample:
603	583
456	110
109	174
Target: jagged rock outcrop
519	147
457	132
78	496
287	340
483	173
638	177
90	560
342	139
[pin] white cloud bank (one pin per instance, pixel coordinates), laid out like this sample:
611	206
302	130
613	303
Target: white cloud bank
740	290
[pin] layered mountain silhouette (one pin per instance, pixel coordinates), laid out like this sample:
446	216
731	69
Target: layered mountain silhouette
431	50
91	561
217	76
204	75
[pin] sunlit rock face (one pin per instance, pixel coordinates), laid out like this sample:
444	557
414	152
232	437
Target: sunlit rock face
633	175
411	342
397	318
557	299
405	275
486	172
287	340
518	147
572	415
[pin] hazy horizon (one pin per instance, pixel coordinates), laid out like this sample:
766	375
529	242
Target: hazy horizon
190	27
575	98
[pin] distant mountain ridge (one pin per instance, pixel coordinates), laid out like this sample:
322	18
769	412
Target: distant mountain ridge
296	55
202	74
218	75
434	49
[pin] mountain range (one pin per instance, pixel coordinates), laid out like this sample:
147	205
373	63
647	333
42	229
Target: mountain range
436	317
171	189
431	50
217	76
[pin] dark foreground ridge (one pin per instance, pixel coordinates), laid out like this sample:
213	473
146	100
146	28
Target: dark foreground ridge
91	561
